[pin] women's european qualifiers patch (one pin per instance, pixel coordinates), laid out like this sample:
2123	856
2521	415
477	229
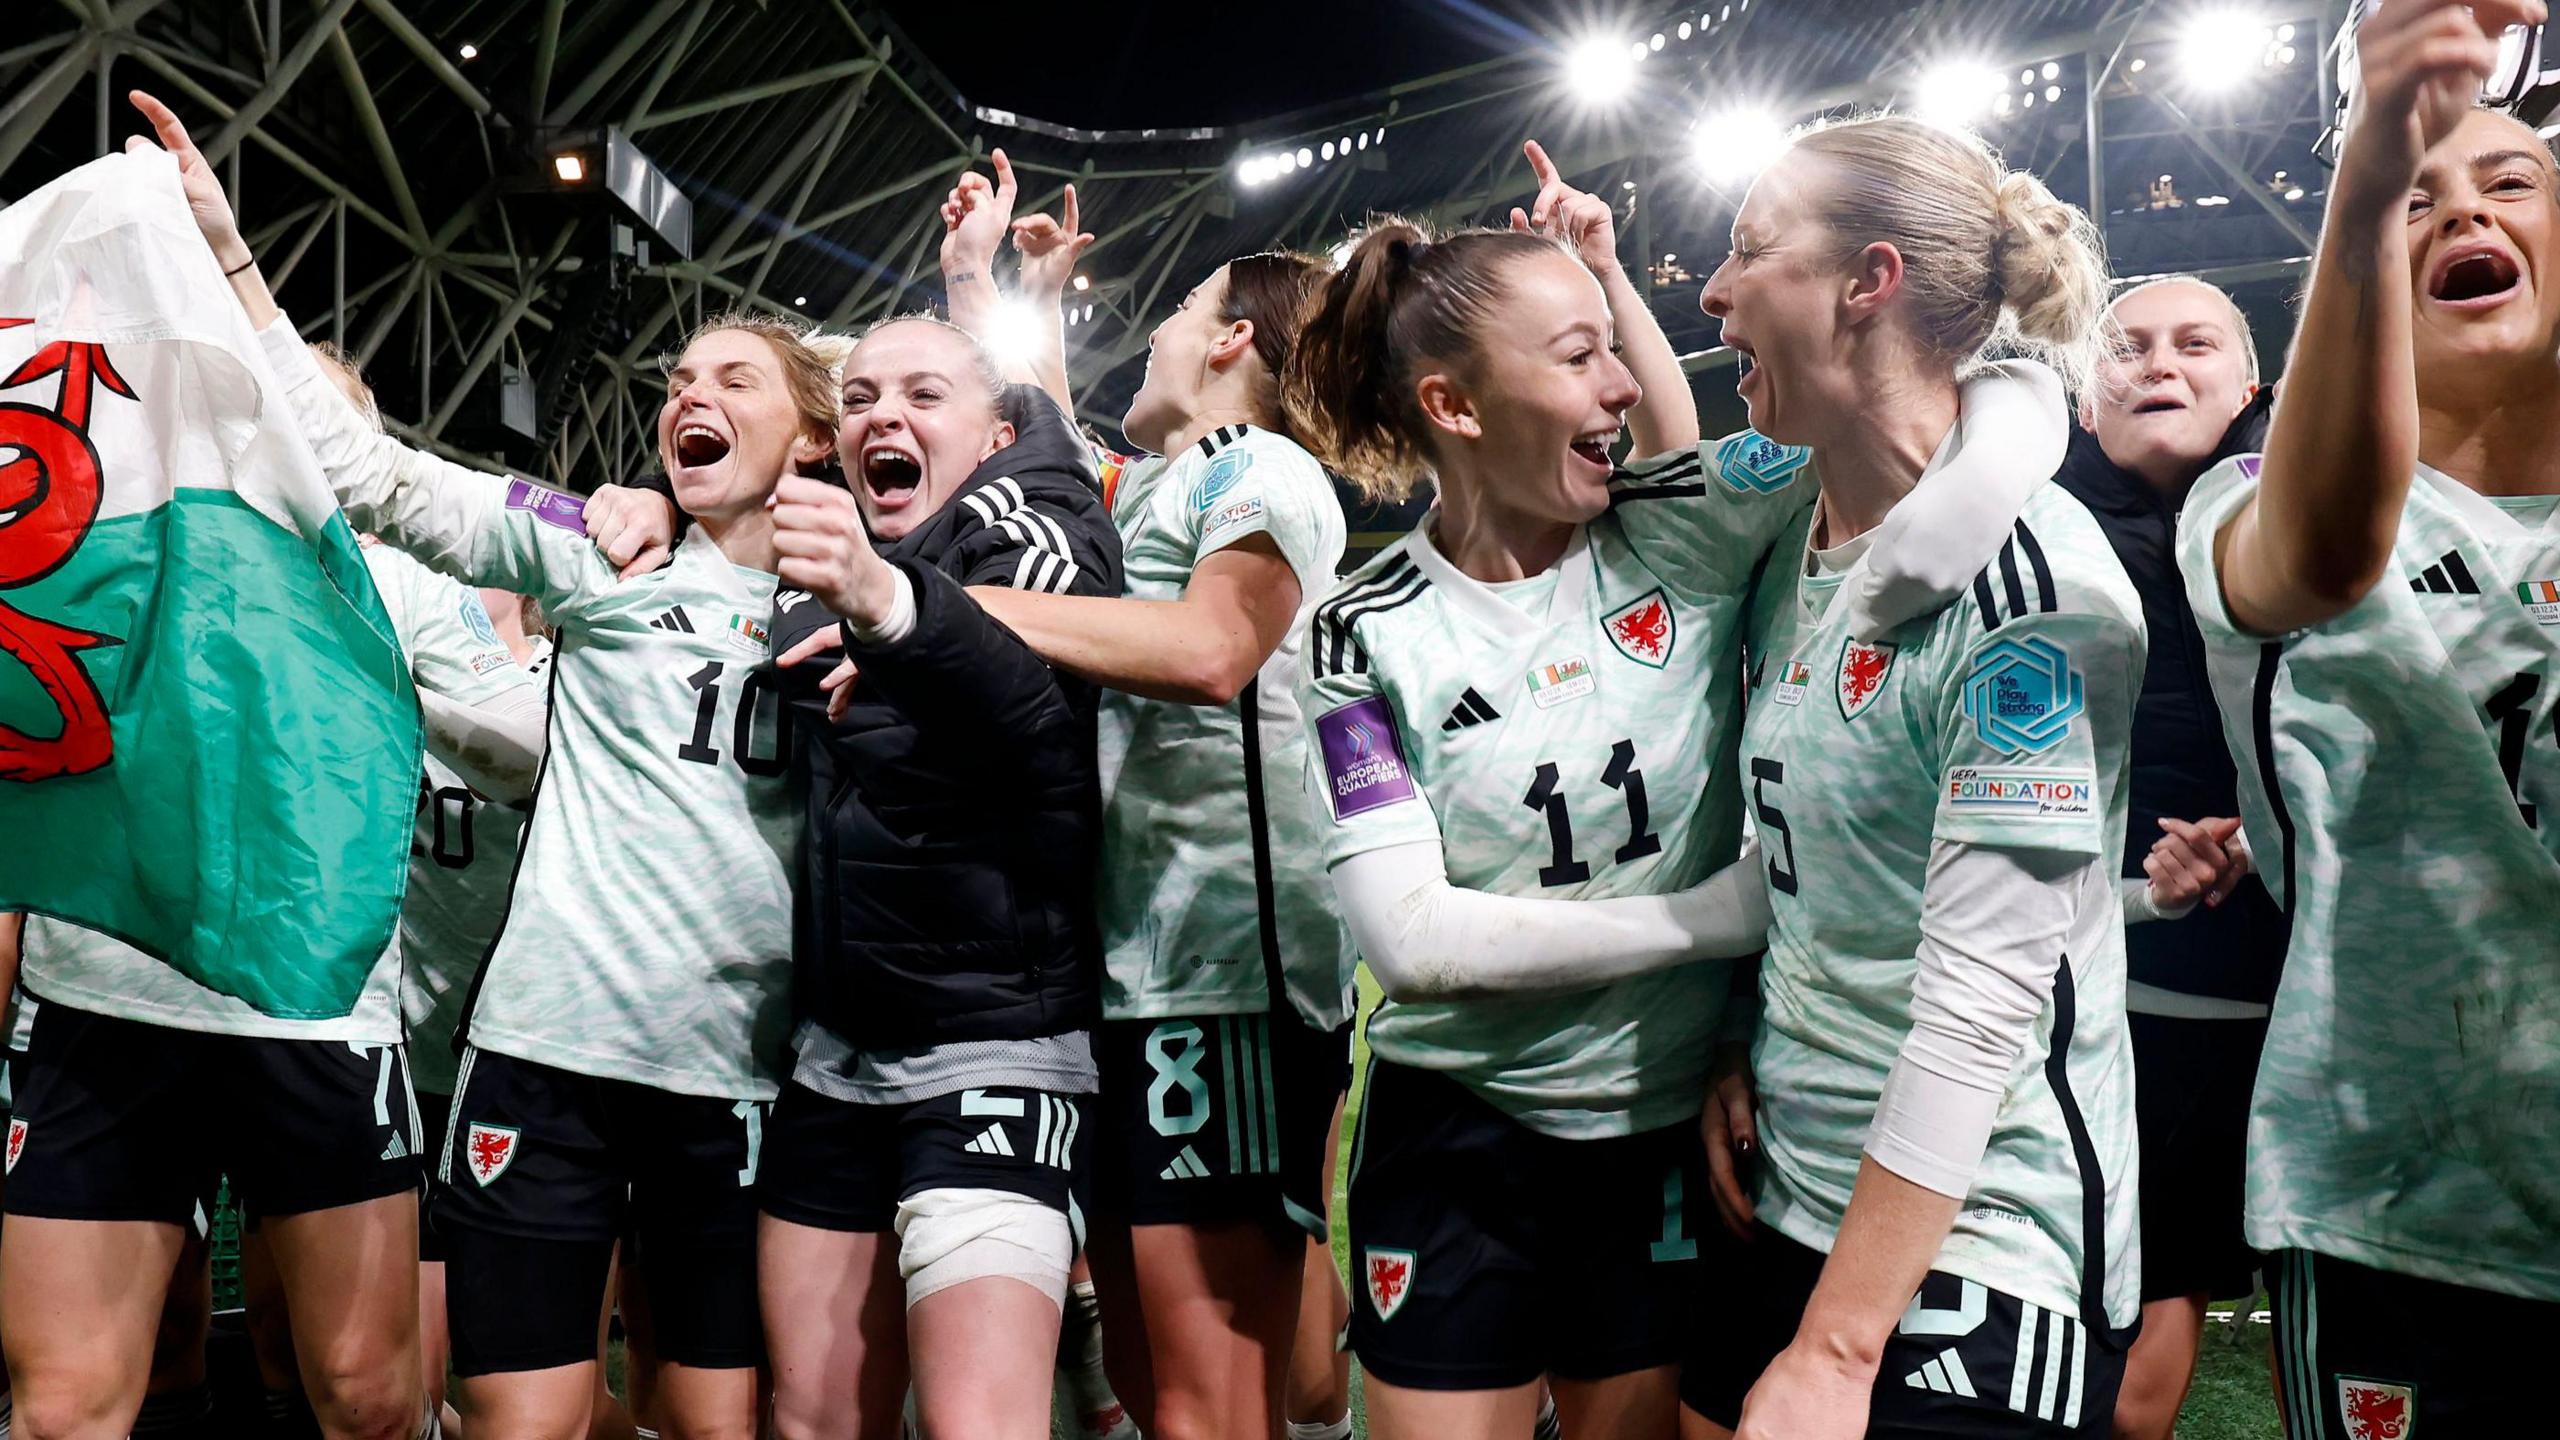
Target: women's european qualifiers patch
2022	696
1364	766
548	506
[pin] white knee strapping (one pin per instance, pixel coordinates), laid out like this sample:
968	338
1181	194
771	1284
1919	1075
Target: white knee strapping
948	1237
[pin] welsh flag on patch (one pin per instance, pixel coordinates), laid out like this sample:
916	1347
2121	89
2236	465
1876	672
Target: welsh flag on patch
208	738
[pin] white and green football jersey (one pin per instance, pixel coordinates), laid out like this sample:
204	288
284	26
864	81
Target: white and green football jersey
2001	720
445	633
1569	737
1205	897
2400	780
461	859
648	932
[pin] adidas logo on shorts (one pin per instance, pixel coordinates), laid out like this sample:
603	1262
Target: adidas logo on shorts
1185	1166
991	1141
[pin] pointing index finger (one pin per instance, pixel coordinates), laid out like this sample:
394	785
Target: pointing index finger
1539	164
1004	177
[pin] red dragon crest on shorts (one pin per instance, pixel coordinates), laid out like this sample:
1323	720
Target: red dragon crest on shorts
1389	1274
2374	1410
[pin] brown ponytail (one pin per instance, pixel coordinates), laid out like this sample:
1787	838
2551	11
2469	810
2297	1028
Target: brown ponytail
1401	304
1272	292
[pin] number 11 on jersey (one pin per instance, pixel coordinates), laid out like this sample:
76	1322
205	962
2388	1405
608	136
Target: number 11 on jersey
1546	795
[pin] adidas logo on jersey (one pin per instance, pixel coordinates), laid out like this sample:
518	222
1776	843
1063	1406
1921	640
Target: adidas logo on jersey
675	619
1945	1374
396	1150
2448	576
1471	709
1185	1166
990	1141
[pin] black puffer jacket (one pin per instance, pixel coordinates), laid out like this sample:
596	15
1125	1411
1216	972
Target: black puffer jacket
955	816
2181	766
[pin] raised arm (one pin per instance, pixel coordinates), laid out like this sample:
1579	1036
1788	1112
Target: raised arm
976	217
211	208
438	511
1050	248
2343	446
1667	418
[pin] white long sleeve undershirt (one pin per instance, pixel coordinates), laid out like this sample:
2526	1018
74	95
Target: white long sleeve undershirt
1426	939
1994	926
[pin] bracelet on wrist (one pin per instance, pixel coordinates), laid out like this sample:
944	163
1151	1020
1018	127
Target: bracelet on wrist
243	265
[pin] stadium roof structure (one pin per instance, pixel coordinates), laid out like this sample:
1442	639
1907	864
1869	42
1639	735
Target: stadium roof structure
388	158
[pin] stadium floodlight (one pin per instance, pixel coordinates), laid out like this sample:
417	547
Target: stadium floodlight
800	301
1084	282
1957	92
2218	50
570	166
1013	333
1306	157
1600	71
468	51
1732	146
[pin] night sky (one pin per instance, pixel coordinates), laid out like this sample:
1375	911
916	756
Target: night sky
1178	62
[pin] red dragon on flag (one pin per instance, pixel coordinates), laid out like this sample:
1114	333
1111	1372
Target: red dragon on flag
49	496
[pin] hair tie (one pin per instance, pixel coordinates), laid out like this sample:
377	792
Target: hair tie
1406	254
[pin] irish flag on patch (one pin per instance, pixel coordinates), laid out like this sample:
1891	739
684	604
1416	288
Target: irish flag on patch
208	739
2541	600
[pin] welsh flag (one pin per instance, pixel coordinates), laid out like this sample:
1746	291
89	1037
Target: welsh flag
208	738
